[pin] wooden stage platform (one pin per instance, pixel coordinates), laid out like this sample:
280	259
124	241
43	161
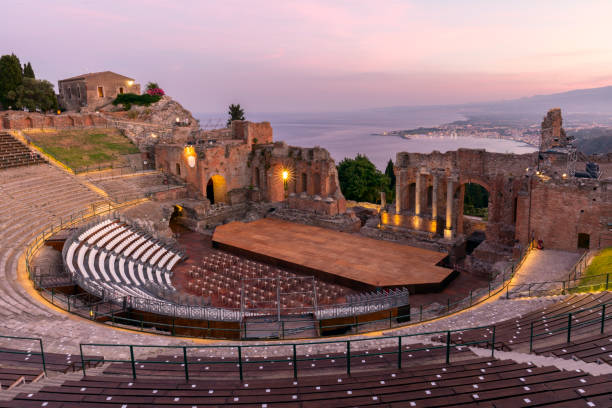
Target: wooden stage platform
348	259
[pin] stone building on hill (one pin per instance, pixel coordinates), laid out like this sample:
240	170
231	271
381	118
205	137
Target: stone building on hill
91	91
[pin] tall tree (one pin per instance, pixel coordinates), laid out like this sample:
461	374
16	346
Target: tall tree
33	94
28	72
11	77
391	176
235	112
360	180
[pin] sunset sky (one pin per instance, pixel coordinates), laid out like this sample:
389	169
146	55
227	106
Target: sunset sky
302	55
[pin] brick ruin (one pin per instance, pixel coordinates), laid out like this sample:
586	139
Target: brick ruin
244	165
18	120
236	173
531	197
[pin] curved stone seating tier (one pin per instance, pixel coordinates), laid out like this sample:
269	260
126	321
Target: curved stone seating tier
33	198
550	325
471	383
13	153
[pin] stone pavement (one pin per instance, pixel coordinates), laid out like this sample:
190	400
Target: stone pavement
546	265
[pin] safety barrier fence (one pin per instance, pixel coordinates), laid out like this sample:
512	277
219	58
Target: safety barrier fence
27	352
539	329
347	350
577	284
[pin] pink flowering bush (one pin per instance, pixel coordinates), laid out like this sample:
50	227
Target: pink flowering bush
156	92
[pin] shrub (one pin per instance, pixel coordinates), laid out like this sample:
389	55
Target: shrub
127	99
156	91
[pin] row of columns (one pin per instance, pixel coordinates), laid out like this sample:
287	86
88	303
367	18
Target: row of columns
419	188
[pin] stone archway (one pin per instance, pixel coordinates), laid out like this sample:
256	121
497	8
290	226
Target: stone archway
216	189
473	200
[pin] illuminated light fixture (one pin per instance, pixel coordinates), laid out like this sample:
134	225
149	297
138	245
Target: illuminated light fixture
527	169
153	135
178	119
284	174
191	155
564	175
130	82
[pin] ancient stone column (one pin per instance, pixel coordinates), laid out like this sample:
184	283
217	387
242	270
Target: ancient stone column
417	194
450	187
399	183
434	197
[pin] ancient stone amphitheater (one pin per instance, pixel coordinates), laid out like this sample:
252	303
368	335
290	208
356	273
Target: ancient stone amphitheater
552	350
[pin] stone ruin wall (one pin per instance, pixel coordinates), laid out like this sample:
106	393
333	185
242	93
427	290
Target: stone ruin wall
561	209
19	120
502	175
313	185
523	204
553	135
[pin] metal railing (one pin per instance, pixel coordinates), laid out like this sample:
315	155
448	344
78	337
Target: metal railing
572	323
33	353
350	352
561	287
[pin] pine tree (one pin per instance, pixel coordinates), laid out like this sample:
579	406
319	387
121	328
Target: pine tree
11	77
28	72
235	112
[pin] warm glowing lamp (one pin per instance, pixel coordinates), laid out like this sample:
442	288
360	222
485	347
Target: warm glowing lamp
130	83
191	156
285	175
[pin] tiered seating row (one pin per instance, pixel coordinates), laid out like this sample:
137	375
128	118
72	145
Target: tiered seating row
13	153
114	258
593	349
472	383
549	324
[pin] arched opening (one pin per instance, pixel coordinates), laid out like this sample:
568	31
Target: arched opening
49	121
316	183
175	220
178	169
584	241
216	189
88	120
475	214
476	201
429	196
28	123
304	178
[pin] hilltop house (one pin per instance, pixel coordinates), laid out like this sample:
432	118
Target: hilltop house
93	90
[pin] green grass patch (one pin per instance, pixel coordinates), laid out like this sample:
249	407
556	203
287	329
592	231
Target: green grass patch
83	148
594	278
